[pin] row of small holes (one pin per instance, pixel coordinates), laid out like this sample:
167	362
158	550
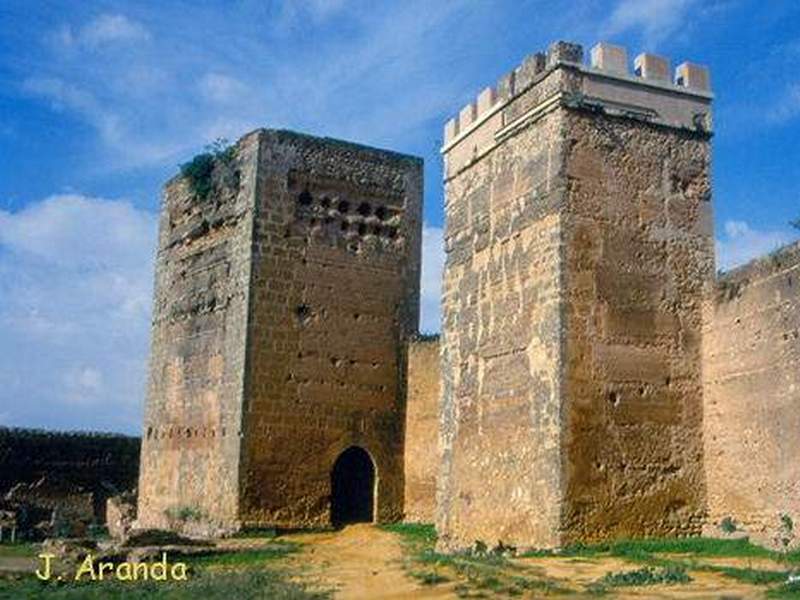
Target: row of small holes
343	206
188	432
362	228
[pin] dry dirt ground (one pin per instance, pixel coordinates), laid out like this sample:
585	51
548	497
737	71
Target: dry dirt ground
359	562
369	562
366	562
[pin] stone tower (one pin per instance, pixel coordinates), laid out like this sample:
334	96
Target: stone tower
283	300
579	248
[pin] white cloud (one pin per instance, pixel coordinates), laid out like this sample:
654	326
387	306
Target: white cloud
656	19
75	293
102	30
113	28
316	10
788	107
741	243
76	231
221	88
66	96
432	265
153	103
83	385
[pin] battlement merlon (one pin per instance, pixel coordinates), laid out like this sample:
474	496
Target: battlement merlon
545	81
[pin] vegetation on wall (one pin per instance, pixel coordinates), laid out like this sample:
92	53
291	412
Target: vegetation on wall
200	171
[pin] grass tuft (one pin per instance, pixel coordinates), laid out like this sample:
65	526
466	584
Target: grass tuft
647	576
429	577
417	533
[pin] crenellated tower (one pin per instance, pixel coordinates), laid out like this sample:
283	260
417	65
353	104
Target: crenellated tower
579	249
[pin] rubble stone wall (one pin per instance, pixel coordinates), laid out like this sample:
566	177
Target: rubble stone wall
85	459
56	467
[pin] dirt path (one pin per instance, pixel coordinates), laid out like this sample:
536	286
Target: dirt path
360	562
578	573
365	562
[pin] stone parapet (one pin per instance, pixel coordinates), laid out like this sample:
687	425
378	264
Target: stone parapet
559	77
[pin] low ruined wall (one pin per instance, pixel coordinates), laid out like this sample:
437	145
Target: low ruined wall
85	459
752	397
57	468
422	429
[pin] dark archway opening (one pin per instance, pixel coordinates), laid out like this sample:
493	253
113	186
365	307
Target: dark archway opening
352	488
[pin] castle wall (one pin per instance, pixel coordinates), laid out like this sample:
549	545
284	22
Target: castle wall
335	294
752	395
422	452
638	260
192	427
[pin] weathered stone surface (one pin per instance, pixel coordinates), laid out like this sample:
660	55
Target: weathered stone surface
120	514
335	294
422	453
282	309
68	553
634	285
751	396
193	413
579	250
500	475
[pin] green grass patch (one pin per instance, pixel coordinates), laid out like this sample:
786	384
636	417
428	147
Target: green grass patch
19	550
647	576
246	558
429	577
414	533
477	574
786	590
754	576
645	548
252	573
256	584
256	532
698	546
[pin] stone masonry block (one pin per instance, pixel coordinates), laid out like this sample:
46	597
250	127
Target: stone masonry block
450	130
693	76
564	52
651	66
486	100
609	57
466	116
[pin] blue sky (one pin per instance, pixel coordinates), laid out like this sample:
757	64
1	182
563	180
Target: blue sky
100	101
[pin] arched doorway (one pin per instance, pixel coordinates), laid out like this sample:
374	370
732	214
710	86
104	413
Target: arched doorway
352	487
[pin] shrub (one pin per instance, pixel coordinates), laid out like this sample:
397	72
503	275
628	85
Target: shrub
199	171
647	576
727	525
184	513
